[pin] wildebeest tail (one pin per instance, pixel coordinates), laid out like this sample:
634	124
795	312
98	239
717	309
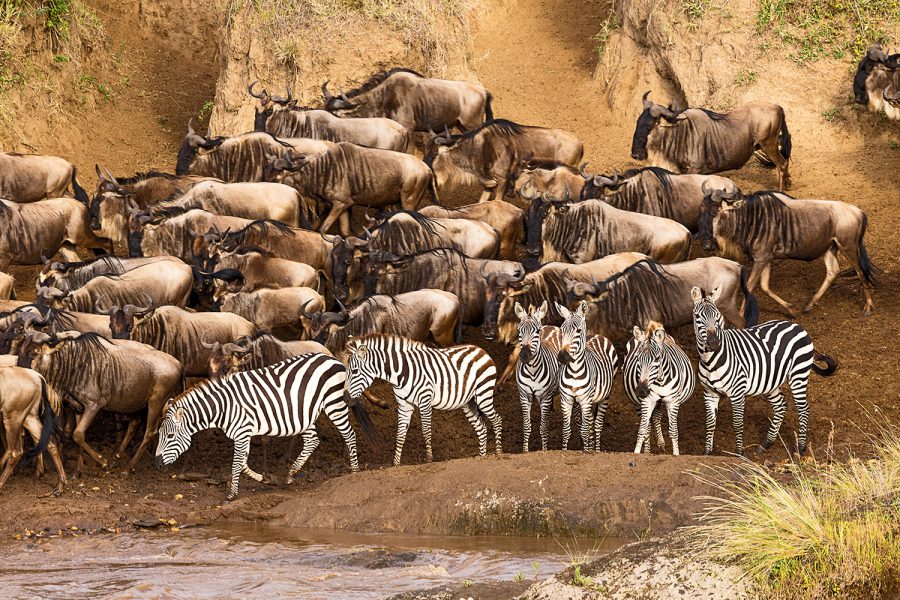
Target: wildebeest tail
48	426
751	305
830	364
79	192
457	334
865	264
488	109
784	139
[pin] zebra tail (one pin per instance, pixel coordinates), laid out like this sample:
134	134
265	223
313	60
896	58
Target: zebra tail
751	304
831	364
48	426
365	421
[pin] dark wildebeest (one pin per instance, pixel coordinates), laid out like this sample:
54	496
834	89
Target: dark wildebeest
655	191
877	81
417	102
648	291
486	155
578	232
771	225
255	352
441	269
30	177
284	119
29	231
95	374
178	332
423	315
348	175
270	309
175	236
42	316
698	140
548	177
249	269
238	158
408	232
69	276
507	219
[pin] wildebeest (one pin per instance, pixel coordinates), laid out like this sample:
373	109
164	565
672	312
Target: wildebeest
25	404
507	219
417	102
255	352
278	240
655	191
42	316
408	232
547	283
284	119
422	315
578	232
441	269
68	276
95	374
254	200
30	177
348	175
247	269
238	158
648	291
30	231
546	177
771	225
487	154
698	140
877	81
174	236
270	309
7	286
178	332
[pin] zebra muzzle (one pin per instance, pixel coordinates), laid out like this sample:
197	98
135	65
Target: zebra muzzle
564	357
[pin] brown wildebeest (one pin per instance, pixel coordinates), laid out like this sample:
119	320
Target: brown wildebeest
248	269
175	235
255	352
486	155
417	102
408	232
31	177
698	140
69	276
507	219
769	225
548	177
270	309
877	81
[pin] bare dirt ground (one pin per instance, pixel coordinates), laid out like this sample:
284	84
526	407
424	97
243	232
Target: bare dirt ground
536	57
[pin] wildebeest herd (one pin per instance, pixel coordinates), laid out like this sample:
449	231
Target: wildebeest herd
234	273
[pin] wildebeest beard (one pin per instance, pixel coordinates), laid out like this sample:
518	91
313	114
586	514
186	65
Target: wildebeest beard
642	129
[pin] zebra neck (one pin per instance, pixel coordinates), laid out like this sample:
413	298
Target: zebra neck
394	367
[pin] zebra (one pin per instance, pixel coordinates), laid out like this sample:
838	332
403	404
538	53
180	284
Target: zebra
283	399
427	378
537	370
657	370
587	370
754	361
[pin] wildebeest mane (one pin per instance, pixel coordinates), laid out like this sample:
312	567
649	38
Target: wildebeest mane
77	274
715	116
265	349
502	126
548	284
376	79
386	224
141	177
80	363
262	225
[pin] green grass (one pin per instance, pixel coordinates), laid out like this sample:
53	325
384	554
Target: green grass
831	532
833	115
601	38
745	78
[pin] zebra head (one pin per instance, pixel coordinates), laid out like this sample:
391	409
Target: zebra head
573	333
646	356
174	436
530	329
708	321
361	368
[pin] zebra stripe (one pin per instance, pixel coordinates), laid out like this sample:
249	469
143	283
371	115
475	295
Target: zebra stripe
657	371
537	370
737	363
283	399
586	374
427	378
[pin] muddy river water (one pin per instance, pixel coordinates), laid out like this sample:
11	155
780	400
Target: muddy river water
246	561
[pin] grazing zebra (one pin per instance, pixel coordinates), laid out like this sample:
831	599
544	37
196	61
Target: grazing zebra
283	399
754	361
427	378
537	370
586	375
657	371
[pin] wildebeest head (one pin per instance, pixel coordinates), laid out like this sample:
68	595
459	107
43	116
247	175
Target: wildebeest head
708	321
596	186
438	146
579	290
320	322
278	167
646	356
500	286
648	119
530	329
138	220
267	105
380	264
715	200
336	103
347	256
891	96
190	145
540	208
873	58
123	319
225	359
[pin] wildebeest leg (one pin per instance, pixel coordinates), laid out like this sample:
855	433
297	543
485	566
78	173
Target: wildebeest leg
770	147
711	402
129	433
13	454
764	284
344	222
832	269
34	427
336	210
68	251
510	366
154	415
90	412
852	253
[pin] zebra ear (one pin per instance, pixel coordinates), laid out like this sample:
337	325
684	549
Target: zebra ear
660	335
179	415
564	312
520	312
714	295
541	311
697	295
582	307
638	334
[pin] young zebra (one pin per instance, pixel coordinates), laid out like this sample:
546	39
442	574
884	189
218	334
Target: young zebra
537	370
280	400
586	374
427	378
657	371
754	361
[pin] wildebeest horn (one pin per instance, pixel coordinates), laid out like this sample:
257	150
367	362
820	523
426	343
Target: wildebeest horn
263	96
714	194
890	95
280	100
207	345
303	309
343	96
367	232
325	91
657	110
239	346
529	195
647	103
355	242
876	53
44	258
192	138
109	177
582	172
98	307
140	311
447	135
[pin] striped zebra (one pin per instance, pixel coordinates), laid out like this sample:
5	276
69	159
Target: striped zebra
537	370
280	400
586	374
657	371
427	378
755	361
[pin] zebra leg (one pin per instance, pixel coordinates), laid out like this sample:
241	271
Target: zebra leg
425	417
238	463
711	402
546	405
404	415
339	415
310	443
486	406
565	404
737	419
779	408
587	425
643	436
471	412
525	401
799	383
599	418
672	410
657	427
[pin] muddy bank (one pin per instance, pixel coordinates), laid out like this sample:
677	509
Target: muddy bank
541	493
